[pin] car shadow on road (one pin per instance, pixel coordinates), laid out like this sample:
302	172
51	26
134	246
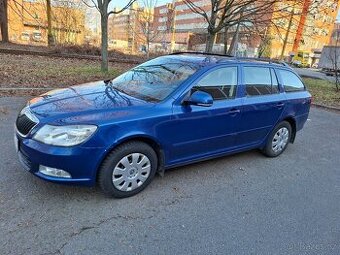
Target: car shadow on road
226	167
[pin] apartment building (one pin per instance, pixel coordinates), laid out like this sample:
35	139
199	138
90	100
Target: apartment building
131	30
306	26
335	36
28	21
176	24
309	24
184	29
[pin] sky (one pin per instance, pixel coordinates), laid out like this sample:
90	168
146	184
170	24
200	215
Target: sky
122	3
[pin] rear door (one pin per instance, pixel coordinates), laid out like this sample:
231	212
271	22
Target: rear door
298	99
263	104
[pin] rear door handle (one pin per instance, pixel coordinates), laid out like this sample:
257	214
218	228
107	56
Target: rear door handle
280	105
234	111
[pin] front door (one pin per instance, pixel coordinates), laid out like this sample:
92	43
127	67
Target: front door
204	131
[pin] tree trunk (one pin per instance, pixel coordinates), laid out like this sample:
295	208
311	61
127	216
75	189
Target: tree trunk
148	48
231	50
285	41
234	42
210	42
4	21
50	39
104	44
225	40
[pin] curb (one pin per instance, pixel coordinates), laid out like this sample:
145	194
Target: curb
6	89
63	55
330	108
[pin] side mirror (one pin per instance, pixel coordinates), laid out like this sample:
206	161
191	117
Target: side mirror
200	98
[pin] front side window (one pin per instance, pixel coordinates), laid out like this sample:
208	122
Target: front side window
156	79
220	83
260	81
291	81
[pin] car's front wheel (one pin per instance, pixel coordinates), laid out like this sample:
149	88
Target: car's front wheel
128	169
278	139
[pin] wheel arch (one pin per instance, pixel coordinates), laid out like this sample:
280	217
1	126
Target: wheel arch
155	145
292	123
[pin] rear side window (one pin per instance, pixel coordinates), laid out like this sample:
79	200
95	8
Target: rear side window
220	83
260	81
291	82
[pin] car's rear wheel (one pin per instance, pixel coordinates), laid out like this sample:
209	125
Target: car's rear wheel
128	169
278	139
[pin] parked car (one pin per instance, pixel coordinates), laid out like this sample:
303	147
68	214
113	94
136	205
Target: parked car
36	36
25	36
167	112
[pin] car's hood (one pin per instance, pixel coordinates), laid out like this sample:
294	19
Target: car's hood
86	99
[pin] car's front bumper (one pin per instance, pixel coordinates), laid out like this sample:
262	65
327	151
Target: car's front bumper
80	162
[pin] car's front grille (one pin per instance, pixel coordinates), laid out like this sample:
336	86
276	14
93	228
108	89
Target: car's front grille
24	124
25	161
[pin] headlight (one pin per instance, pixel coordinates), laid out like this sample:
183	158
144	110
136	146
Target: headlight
64	135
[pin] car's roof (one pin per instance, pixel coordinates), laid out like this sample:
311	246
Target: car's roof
212	59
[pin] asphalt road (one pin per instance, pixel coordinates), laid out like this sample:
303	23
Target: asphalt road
240	204
314	73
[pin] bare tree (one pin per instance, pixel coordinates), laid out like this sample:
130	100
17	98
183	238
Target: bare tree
103	8
50	38
334	58
143	27
265	46
222	14
4	20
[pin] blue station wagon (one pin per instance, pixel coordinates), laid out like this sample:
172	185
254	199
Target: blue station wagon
167	112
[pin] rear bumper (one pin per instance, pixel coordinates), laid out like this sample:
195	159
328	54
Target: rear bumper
301	120
80	162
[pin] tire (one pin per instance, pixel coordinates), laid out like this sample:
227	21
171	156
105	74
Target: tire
127	170
278	139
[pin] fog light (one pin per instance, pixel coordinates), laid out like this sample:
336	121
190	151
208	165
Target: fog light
55	172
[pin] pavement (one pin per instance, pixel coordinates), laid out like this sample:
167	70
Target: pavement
240	204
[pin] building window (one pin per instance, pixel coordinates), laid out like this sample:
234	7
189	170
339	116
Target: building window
163	10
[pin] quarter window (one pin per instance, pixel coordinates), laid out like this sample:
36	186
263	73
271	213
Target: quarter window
291	81
220	84
260	81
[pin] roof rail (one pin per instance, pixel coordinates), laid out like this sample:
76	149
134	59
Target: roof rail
200	53
268	60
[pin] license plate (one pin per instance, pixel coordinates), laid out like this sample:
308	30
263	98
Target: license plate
16	143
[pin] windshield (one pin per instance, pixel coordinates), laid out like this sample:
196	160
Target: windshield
156	79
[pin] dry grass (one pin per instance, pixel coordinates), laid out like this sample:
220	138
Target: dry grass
17	71
323	92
